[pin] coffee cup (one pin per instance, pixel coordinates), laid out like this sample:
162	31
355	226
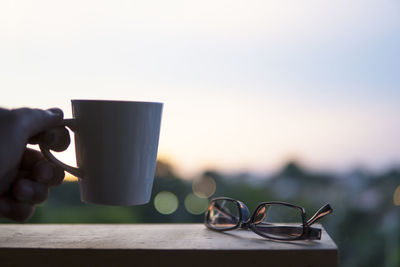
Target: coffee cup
116	145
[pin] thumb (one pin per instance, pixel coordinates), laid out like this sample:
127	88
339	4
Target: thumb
35	121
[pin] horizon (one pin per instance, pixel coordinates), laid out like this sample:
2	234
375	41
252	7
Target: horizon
266	175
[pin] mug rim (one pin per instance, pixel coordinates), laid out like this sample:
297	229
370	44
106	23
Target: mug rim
114	101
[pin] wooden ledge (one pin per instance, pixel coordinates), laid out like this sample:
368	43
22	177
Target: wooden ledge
154	245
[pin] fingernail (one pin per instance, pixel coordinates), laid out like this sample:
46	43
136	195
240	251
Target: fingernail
4	207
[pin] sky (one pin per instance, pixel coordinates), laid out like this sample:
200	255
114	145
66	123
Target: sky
246	85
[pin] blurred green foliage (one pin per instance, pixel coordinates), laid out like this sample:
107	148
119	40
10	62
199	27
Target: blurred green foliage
365	223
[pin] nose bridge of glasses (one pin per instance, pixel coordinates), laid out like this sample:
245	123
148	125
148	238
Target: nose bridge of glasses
245	214
322	212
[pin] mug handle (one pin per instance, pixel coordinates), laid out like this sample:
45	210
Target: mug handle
70	123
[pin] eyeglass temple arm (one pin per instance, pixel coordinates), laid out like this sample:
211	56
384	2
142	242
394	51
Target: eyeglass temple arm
311	233
322	212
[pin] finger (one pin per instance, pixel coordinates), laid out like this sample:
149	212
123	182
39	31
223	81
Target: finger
25	190
22	174
37	138
57	111
30	158
35	121
47	173
40	169
56	139
17	211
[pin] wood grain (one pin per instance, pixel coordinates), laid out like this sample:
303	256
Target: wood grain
154	245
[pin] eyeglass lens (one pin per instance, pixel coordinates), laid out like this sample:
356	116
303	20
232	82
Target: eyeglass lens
223	214
278	221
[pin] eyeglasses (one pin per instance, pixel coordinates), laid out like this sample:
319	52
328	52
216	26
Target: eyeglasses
274	220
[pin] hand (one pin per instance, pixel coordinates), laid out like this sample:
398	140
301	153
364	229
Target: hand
25	175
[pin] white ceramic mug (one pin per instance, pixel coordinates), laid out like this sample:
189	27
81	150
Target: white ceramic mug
116	146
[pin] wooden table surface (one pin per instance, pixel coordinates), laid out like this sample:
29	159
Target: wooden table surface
154	245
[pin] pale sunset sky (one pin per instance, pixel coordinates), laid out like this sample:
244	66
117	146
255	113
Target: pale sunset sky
246	85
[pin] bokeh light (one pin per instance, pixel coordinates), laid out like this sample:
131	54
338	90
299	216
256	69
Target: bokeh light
195	205
204	186
166	202
396	196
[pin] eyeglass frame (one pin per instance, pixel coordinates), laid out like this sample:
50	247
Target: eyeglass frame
308	232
